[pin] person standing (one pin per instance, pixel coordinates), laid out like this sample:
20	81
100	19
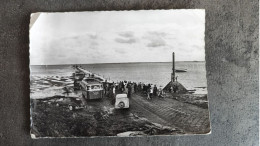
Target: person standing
122	87
129	90
139	87
107	90
148	89
114	92
174	88
135	87
144	89
155	90
105	87
151	92
126	90
171	89
125	85
142	86
148	93
160	91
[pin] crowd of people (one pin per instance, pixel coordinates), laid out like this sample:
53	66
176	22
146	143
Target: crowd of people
129	88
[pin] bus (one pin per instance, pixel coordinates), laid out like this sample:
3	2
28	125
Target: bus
92	88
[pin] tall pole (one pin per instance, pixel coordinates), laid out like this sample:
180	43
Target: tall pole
173	68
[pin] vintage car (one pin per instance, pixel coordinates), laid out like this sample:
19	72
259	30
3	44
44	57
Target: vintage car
121	101
76	104
91	88
71	103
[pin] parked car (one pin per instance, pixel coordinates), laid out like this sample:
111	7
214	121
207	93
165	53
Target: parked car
121	101
76	104
71	103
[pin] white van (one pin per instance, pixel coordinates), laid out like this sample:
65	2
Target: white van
121	101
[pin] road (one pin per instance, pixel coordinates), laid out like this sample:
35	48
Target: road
165	111
190	118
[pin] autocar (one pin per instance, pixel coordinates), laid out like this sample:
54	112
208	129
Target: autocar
91	88
71	103
76	104
122	101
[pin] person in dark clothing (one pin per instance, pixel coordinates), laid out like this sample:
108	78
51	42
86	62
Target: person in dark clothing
170	89
129	90
105	88
108	90
174	88
139	87
155	90
145	89
135	87
123	87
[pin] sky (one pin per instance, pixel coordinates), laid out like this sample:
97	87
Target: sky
117	37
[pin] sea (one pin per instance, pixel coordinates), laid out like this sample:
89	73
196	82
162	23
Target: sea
158	73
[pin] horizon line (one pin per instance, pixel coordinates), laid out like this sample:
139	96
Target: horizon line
115	63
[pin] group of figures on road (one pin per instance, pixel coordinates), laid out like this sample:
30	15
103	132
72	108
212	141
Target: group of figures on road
129	88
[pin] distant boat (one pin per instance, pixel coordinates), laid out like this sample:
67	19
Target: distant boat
180	70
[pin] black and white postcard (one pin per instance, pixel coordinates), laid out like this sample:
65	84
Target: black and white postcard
118	73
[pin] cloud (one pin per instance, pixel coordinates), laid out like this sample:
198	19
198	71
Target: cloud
125	41
121	51
93	36
93	45
127	34
156	39
126	37
156	33
156	43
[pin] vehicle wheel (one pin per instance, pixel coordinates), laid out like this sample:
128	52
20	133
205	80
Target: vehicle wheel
121	104
71	107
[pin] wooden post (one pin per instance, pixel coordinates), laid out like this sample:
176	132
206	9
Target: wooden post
173	68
